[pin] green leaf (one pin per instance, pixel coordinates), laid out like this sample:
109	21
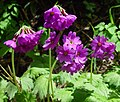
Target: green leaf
25	96
89	6
80	95
11	90
118	32
3	84
26	83
114	100
41	86
96	98
118	46
66	77
114	38
100	26
40	61
3	50
111	28
34	72
112	78
63	95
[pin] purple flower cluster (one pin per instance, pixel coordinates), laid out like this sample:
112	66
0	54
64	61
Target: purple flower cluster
25	41
72	53
52	41
102	49
58	19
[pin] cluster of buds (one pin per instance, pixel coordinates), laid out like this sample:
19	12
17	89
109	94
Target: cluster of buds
24	40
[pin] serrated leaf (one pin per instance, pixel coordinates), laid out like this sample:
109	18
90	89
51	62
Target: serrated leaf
66	77
11	90
96	98
118	32
80	95
118	46
96	78
112	78
3	84
100	26
41	86
63	95
34	72
80	81
102	90
111	28
114	38
26	83
114	100
25	96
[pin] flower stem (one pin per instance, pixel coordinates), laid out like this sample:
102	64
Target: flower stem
91	70
6	72
48	95
51	76
13	69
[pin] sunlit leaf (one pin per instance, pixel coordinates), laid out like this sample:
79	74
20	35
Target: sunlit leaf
112	78
118	46
27	83
63	95
11	90
41	86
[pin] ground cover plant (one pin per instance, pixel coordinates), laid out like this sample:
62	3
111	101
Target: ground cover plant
59	51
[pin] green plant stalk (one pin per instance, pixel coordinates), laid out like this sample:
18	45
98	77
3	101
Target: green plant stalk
50	74
95	66
6	72
91	70
110	13
13	69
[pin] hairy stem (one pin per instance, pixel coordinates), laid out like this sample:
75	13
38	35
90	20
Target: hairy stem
13	69
91	70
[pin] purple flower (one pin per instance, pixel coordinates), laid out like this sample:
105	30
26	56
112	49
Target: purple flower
70	20
72	53
110	48
10	43
64	53
25	41
81	54
52	14
52	41
60	23
71	40
58	19
101	48
71	67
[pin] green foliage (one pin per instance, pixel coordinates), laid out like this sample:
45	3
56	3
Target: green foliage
3	84
35	72
67	88
41	86
25	97
44	36
8	25
4	49
41	61
26	83
11	90
81	95
67	78
110	31
112	78
63	95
